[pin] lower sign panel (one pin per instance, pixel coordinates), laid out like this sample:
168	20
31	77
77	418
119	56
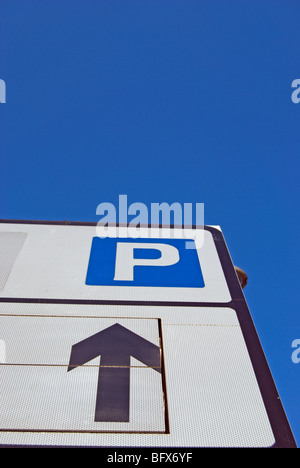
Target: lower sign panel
123	376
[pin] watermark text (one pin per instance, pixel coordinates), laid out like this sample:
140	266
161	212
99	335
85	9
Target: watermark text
158	220
296	353
2	92
296	94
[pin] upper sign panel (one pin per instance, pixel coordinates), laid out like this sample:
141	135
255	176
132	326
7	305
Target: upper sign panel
80	262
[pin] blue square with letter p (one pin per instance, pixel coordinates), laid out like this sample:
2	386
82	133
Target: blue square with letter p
143	262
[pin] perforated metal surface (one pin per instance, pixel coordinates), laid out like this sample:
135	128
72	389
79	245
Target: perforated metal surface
10	246
210	396
38	393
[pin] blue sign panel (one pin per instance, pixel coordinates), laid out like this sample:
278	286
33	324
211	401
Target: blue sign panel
143	262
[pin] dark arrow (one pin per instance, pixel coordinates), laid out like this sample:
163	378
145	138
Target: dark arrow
115	345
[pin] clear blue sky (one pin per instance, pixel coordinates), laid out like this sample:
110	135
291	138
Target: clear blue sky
165	101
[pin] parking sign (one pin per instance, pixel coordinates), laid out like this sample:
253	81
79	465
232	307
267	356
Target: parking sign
143	262
60	261
129	341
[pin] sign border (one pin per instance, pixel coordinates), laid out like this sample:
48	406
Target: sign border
281	429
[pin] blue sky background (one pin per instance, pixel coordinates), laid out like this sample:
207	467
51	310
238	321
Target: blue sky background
164	101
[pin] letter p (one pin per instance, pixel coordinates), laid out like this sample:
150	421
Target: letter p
125	260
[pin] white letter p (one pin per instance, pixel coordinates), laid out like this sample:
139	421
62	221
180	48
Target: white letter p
125	261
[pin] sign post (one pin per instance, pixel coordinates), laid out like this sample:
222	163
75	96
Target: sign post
129	341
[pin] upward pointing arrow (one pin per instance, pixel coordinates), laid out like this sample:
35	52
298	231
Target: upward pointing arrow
115	344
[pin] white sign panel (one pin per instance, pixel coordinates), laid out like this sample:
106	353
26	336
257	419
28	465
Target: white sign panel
73	262
78	374
111	376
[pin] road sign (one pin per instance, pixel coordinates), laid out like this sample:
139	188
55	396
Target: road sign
60	261
100	348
